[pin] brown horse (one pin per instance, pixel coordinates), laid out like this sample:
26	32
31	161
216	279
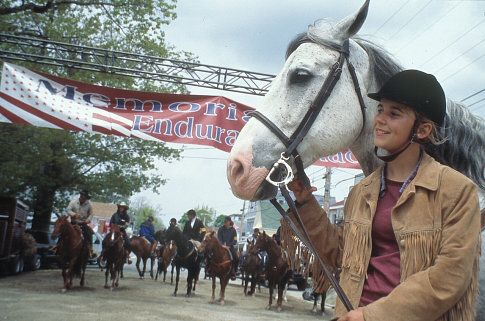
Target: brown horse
143	251
115	256
165	257
219	263
73	251
320	286
251	266
277	271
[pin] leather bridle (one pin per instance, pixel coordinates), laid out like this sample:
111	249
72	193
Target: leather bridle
281	172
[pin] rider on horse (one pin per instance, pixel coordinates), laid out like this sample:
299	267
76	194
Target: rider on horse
227	235
80	210
122	219
194	229
147	230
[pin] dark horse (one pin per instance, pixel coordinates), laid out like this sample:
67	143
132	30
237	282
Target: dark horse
115	256
277	270
219	263
143	250
187	257
165	256
72	250
251	267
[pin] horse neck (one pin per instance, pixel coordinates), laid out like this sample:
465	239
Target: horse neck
218	251
69	235
274	252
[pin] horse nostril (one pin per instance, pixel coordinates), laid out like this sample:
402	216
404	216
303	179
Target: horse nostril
236	169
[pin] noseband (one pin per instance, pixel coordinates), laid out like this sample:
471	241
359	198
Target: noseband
281	172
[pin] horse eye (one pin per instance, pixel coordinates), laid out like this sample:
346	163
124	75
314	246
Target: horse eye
300	75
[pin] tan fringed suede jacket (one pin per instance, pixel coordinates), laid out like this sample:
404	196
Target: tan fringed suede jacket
437	226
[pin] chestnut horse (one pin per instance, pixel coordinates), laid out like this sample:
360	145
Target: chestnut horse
251	266
219	263
143	250
115	256
277	270
165	257
72	250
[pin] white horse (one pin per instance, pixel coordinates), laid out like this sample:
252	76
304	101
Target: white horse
341	123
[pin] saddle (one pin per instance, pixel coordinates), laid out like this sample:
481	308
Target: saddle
197	245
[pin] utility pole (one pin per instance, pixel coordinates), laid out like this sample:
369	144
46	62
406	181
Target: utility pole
326	195
243	218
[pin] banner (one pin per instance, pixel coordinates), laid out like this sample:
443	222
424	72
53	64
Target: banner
43	100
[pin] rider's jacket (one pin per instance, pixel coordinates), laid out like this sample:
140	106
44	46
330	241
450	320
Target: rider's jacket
118	218
195	232
436	222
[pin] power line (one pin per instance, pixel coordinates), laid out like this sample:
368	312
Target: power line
463	68
459	56
411	19
388	19
478	101
452	43
472	95
426	28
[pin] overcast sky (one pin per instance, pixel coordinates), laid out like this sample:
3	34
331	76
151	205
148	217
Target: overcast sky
445	38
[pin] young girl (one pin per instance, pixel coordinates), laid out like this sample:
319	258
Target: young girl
409	247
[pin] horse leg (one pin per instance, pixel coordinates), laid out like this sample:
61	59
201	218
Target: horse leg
164	275
322	305
315	300
151	267
138	259
144	267
177	277
171	274
224	280
159	271
106	274
190	279
253	284
281	289
213	297
64	277
271	289
83	272
245	280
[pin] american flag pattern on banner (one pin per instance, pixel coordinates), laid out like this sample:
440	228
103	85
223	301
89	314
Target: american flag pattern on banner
24	100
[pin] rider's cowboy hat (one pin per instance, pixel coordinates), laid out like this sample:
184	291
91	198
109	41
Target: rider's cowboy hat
418	90
123	204
85	193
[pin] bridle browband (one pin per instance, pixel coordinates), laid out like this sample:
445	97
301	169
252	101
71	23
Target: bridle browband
281	172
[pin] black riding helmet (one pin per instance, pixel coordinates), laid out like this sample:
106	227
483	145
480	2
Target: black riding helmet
418	90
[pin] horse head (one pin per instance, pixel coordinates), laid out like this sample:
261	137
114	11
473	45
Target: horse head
209	241
61	222
263	243
337	126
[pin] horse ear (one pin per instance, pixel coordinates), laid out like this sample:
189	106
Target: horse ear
350	25
69	218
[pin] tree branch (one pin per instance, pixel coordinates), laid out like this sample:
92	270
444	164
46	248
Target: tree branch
51	4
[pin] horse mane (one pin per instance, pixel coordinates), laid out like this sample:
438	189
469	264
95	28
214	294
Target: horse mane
464	148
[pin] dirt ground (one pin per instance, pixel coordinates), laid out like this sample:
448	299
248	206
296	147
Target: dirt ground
37	296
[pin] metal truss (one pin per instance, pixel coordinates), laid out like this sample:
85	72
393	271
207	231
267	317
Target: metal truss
132	65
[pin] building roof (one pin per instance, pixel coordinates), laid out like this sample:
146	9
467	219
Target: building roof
103	210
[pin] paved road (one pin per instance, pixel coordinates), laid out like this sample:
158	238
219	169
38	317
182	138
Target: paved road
37	296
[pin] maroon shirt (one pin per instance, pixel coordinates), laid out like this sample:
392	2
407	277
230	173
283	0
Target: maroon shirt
383	272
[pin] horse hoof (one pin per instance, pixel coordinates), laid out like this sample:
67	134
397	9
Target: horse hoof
222	302
111	288
175	294
279	309
106	286
268	307
64	290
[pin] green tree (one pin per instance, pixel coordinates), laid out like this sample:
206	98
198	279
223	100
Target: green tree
141	209
205	213
45	166
219	221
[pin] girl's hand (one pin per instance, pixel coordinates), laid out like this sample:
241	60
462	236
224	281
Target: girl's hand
354	315
302	194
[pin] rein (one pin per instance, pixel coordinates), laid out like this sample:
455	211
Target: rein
281	172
